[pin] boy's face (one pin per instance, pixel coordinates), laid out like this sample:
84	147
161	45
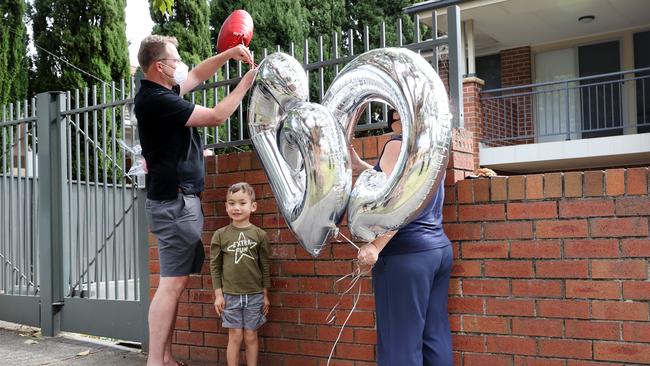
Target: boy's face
239	206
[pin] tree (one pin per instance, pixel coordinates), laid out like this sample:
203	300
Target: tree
188	22
81	43
276	22
91	35
14	62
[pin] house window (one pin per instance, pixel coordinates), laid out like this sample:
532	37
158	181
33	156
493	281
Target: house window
488	68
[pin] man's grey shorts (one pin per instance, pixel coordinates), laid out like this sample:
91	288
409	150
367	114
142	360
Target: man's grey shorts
243	311
178	225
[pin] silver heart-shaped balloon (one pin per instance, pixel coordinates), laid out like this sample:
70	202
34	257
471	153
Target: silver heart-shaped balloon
303	146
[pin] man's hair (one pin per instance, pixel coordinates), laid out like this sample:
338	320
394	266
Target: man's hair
243	186
153	48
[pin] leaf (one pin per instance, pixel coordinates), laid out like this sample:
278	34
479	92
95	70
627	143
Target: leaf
84	353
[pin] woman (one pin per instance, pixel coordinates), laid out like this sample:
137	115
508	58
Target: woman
410	277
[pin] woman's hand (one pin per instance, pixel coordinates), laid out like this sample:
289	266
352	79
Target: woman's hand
368	254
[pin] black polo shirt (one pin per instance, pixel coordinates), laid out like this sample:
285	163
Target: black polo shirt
173	152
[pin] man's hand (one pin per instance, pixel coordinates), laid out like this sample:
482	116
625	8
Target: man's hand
368	254
241	53
219	302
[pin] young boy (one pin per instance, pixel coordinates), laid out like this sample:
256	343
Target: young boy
239	263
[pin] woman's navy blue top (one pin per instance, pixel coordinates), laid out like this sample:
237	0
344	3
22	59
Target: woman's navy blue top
423	233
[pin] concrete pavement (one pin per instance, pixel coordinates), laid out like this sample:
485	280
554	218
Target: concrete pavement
20	345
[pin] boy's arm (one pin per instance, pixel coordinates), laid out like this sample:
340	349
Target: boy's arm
264	261
216	261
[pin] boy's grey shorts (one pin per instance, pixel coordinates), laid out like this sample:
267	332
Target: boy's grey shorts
243	311
178	225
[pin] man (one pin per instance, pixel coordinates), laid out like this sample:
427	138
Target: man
172	148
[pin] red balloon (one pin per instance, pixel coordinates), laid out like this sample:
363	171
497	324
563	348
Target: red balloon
236	29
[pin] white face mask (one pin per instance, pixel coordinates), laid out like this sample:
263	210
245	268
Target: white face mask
180	72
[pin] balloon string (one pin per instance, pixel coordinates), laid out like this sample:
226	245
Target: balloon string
355	276
349	241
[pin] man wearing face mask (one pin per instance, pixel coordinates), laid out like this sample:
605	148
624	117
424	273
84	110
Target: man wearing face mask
173	150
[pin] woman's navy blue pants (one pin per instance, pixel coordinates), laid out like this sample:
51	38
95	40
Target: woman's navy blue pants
411	293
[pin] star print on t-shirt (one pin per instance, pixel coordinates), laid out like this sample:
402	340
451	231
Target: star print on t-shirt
241	247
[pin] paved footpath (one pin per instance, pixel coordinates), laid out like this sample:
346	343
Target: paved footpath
20	345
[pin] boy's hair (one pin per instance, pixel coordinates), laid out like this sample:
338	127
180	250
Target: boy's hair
243	186
152	49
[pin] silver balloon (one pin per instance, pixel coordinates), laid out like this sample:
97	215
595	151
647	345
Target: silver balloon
404	80
302	149
303	146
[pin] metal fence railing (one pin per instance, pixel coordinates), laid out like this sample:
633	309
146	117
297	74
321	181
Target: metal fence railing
442	51
594	106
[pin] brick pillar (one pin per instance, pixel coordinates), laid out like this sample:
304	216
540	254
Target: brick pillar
516	70
461	158
473	113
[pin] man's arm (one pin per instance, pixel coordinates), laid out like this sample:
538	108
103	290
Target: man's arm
209	66
210	117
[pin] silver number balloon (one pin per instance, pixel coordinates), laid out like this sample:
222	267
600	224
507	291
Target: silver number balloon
303	146
404	80
302	149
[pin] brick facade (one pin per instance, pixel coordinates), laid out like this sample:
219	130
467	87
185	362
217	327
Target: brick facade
550	269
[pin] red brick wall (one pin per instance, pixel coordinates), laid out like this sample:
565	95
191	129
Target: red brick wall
550	270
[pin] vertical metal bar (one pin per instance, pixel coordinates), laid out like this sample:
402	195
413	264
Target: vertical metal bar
366	47
568	120
12	225
400	37
241	105
52	208
86	226
69	246
228	129
101	267
35	250
78	243
95	220
434	36
335	50
3	204
123	184
350	42
114	181
417	30
142	246
455	81
136	243
306	62
19	240
25	199
321	70
292	49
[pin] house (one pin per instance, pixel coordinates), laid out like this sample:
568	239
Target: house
562	84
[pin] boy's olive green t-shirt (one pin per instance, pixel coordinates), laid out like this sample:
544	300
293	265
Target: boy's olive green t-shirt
239	260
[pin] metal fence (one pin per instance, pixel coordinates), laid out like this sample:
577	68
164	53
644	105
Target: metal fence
593	106
73	234
73	238
442	51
